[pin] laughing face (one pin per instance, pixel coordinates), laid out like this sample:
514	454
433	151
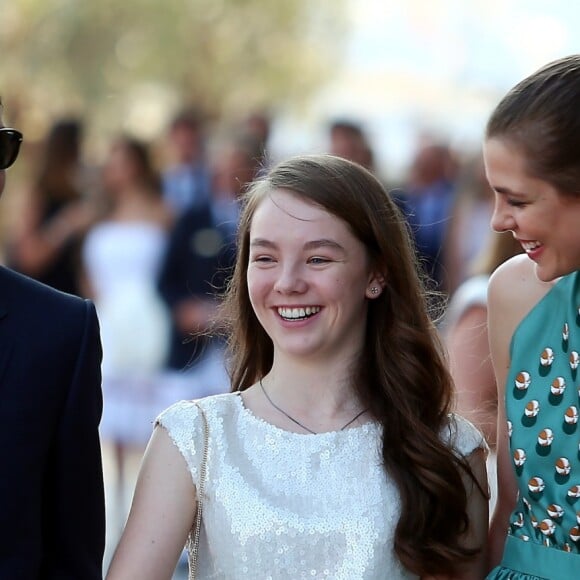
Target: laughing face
308	279
544	221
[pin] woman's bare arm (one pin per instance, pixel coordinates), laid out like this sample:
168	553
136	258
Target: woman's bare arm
161	516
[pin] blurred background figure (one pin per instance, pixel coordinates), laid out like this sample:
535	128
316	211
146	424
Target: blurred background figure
257	125
186	182
349	141
121	258
466	337
427	200
468	229
199	258
56	212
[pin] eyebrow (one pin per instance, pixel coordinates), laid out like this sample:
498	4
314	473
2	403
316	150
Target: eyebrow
312	245
506	191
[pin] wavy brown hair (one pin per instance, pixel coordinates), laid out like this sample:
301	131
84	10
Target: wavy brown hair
401	376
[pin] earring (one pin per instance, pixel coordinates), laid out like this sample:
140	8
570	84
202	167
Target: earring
374	290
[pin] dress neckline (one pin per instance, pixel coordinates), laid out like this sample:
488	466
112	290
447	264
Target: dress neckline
248	413
562	281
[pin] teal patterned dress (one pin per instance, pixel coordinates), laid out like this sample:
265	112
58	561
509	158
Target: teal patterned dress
542	406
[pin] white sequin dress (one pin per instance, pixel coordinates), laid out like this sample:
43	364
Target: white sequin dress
287	505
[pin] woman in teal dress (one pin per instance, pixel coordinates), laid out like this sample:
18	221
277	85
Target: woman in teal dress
532	157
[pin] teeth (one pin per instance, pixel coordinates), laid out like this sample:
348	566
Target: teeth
297	313
529	246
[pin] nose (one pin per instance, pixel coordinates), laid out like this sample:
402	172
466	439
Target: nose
502	219
290	280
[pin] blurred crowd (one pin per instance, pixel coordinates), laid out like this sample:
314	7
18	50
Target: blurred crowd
150	236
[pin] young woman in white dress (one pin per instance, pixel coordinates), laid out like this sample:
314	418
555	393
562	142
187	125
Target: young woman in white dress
336	455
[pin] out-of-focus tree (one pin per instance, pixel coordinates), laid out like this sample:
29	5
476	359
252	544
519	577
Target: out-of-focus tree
114	60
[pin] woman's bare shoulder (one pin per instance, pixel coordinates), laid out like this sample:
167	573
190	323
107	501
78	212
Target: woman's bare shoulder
513	291
515	286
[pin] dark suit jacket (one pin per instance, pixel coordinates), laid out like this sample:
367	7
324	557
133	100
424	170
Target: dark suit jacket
199	259
52	522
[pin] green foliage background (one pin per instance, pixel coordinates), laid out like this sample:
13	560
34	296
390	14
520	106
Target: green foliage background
103	58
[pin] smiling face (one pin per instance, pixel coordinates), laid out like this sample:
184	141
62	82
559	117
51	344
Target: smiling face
308	279
544	221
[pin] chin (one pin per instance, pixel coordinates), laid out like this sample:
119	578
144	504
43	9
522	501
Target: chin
551	274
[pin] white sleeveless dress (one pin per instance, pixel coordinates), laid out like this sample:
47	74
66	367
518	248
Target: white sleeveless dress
282	505
122	261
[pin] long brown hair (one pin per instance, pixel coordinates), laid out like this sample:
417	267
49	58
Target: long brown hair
401	376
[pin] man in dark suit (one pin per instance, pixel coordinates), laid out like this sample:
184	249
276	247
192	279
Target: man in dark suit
51	484
186	183
199	259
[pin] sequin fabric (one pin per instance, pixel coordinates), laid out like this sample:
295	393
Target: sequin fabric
288	505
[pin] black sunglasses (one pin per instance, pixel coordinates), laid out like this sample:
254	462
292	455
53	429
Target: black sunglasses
10	140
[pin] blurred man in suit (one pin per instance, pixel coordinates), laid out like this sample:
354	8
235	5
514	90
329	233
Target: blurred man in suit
199	259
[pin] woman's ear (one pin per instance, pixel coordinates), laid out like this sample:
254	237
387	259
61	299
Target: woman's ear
375	286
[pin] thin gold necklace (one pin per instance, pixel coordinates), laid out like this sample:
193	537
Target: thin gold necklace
298	422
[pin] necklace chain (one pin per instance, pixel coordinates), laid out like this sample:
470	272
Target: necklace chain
298	422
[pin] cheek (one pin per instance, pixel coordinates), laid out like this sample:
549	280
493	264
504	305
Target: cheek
255	302
257	285
251	284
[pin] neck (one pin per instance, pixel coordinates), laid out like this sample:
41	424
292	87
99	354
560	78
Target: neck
312	389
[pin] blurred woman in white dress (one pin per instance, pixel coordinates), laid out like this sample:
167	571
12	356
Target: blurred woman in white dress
121	258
